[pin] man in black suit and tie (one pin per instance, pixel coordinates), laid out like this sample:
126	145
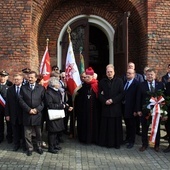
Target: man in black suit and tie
149	85
13	111
139	78
129	110
32	102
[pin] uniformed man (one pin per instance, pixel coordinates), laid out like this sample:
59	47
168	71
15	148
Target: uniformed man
3	92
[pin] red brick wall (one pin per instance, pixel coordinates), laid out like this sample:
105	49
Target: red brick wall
15	26
159	35
110	11
25	26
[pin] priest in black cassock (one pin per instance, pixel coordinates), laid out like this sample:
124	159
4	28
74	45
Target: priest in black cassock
88	109
110	96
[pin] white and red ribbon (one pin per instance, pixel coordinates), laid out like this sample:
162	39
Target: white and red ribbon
155	101
2	101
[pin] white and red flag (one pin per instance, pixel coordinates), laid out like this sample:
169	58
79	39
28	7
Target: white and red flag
45	67
71	70
2	101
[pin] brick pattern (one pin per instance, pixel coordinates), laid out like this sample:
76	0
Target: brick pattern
15	28
158	34
25	25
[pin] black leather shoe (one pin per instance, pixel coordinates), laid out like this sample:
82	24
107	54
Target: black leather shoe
53	151
156	148
16	148
167	149
57	147
10	141
117	147
40	151
29	153
130	145
125	141
143	148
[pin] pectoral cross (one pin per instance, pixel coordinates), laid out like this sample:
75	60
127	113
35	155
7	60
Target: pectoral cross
88	96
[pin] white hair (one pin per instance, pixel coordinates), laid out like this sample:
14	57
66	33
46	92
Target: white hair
54	81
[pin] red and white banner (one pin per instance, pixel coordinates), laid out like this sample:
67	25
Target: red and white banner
2	101
45	68
155	101
71	70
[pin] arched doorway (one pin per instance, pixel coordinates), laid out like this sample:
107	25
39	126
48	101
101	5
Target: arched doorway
98	50
95	35
94	44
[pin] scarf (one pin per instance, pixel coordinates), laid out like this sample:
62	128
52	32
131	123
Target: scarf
94	85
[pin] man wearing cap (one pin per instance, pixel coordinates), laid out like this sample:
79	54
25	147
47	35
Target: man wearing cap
111	95
25	72
3	93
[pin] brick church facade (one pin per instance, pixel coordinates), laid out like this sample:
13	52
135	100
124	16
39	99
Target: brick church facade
109	31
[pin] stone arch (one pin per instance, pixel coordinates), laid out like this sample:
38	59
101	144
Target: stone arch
94	20
44	9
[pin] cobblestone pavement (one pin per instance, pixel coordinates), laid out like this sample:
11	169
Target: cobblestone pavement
76	156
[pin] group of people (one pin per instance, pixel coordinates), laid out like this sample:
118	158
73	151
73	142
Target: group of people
99	107
24	104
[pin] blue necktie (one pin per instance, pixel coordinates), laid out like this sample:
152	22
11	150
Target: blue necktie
17	91
126	85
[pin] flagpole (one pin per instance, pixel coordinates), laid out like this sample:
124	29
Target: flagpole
69	31
47	41
73	117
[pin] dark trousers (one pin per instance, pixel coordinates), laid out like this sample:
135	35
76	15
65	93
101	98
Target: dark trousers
137	122
28	130
69	115
167	123
18	135
52	136
66	118
130	129
145	128
2	125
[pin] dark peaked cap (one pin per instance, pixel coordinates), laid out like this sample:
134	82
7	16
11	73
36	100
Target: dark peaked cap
26	70
4	73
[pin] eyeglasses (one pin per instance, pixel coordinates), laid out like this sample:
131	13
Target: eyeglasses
129	73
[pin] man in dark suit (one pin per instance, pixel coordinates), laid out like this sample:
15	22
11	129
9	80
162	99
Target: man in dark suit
13	111
129	110
3	92
31	100
167	93
139	78
165	81
149	85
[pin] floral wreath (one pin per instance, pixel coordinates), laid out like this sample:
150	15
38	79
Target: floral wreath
157	107
159	94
